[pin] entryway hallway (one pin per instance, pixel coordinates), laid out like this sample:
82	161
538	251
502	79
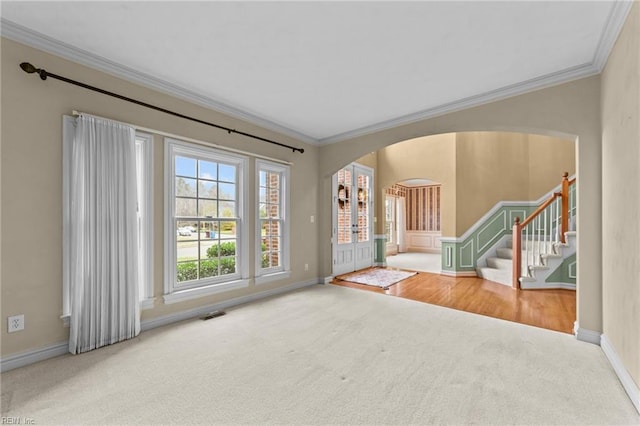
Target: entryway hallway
551	309
421	262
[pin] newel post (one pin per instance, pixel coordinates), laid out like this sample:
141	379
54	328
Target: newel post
565	206
516	247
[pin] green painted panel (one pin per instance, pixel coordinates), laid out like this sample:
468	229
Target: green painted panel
467	258
380	251
488	234
448	249
563	273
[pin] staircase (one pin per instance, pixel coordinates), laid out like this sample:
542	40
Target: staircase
538	246
499	268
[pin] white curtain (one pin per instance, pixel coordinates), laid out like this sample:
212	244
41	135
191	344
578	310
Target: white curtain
104	235
402	220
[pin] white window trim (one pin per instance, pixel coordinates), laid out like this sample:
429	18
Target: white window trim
265	275
172	292
147	299
68	129
146	225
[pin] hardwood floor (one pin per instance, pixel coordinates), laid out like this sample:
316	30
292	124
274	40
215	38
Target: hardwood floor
551	309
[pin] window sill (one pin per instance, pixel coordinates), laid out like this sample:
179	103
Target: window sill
272	277
194	293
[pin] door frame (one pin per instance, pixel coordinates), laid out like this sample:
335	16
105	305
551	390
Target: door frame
334	215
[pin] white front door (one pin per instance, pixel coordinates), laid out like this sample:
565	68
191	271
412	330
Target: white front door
352	219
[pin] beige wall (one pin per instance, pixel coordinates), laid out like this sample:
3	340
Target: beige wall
621	195
502	166
568	111
477	170
549	158
431	157
31	198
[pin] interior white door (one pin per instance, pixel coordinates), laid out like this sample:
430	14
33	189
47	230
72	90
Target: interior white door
352	219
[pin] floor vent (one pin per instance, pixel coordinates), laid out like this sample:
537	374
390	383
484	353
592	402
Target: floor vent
211	315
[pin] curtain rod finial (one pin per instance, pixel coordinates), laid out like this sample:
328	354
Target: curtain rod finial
30	69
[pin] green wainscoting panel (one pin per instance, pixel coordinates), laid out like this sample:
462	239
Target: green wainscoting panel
448	256
565	273
462	256
380	249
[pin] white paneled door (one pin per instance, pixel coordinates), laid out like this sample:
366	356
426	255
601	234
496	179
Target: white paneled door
352	219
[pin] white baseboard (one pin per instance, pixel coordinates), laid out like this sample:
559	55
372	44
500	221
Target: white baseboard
585	335
193	313
627	381
327	280
31	357
546	286
380	264
458	273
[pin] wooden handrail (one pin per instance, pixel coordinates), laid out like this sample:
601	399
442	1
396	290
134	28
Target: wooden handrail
540	209
516	249
519	226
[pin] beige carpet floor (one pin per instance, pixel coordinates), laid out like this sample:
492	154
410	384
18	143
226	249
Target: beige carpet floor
328	355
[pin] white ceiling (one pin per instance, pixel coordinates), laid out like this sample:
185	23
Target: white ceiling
326	71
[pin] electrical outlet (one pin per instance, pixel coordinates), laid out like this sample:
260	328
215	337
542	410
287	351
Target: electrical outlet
306	266
313	218
16	323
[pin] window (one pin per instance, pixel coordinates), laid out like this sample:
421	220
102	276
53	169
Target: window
204	229
144	174
272	225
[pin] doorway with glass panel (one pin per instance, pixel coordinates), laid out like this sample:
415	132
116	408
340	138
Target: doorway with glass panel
352	219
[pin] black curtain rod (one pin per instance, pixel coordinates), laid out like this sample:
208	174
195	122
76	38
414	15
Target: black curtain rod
30	69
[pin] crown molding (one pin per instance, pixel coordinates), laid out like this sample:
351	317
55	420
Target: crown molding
37	40
615	21
548	80
612	29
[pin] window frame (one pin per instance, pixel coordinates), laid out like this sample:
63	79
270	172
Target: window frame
265	275
144	143
174	292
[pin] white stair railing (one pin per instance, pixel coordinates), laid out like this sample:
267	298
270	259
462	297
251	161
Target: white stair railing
539	234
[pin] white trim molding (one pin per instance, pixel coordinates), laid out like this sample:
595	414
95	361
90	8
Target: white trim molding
37	40
537	83
612	29
458	273
40	41
195	292
586	335
31	357
627	381
327	280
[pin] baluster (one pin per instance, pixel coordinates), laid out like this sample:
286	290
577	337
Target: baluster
557	203
545	232
538	259
565	205
526	249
